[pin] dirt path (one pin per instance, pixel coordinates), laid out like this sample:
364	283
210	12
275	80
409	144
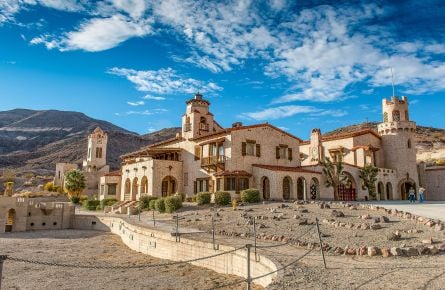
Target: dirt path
92	248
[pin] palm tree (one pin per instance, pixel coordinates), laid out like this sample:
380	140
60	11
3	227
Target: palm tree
369	176
74	183
334	175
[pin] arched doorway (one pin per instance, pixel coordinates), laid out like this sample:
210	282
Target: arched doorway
134	189
405	186
347	190
315	189
266	188
389	195
144	185
127	191
10	220
168	186
301	185
381	191
287	188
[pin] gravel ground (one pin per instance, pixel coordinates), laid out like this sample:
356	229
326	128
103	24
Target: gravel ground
92	248
236	223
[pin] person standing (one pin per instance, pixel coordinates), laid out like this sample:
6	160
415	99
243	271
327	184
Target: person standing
421	194
412	195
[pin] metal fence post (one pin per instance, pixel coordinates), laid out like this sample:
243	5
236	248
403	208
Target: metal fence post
213	233
2	259
254	234
249	278
321	243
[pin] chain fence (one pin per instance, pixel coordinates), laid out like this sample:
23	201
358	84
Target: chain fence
247	280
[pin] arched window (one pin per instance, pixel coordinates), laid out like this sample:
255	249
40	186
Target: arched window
144	185
134	190
396	116
127	191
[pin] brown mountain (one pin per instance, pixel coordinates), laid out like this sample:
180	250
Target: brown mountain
36	140
430	141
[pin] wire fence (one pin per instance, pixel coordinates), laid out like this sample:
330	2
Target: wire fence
248	280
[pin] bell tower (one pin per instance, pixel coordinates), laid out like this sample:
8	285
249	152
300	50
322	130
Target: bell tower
398	141
197	121
97	151
316	150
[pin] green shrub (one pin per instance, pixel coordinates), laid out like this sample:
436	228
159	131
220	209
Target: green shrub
250	195
223	198
203	198
173	203
90	204
107	202
49	186
152	204
99	207
160	205
144	202
75	200
194	198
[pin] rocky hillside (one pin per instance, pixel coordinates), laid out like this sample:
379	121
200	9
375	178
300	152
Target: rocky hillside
36	140
430	141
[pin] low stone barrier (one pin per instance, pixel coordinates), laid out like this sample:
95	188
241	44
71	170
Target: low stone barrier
163	245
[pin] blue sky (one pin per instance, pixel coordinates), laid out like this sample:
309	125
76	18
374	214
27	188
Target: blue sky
295	64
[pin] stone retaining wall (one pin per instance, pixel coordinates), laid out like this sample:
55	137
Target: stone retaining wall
163	245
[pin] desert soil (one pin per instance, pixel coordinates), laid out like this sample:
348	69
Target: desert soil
93	248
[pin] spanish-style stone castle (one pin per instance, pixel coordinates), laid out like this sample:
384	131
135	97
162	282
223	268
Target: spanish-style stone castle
208	157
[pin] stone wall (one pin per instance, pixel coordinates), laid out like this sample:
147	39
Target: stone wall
163	245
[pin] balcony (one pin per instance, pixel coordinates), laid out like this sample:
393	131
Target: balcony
213	162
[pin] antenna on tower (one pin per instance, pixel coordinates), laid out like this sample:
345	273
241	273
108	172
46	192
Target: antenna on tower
392	78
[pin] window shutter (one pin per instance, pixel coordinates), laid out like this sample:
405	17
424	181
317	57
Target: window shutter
244	149
289	151
195	187
258	150
277	149
197	153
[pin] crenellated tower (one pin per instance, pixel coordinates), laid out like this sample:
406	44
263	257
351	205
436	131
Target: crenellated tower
198	121
398	141
97	151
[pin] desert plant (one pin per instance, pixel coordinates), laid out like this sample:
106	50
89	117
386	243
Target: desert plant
90	204
368	175
223	198
152	204
160	205
250	195
75	200
203	198
107	202
49	186
75	182
173	203
9	188
334	175
144	202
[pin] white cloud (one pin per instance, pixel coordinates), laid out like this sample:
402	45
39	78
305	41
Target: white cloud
164	81
289	111
144	113
154	98
98	34
135	104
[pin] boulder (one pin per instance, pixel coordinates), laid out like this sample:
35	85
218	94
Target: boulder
337	213
365	217
373	251
439	227
296	217
376	227
396	251
304	211
442	248
386	253
427	241
433	250
384	219
362	251
303	222
423	250
394	236
411	252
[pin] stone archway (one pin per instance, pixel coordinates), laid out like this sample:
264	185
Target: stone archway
287	188
168	186
127	190
301	188
144	185
405	186
315	189
381	191
10	220
389	195
347	190
134	189
265	183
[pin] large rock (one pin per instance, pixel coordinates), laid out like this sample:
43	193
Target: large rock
337	213
439	227
396	251
384	219
411	252
394	236
386	252
376	227
373	251
427	241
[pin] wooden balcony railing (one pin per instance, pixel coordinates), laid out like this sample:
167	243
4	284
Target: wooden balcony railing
213	160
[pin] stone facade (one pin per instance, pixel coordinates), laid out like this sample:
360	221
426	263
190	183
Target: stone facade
19	214
207	157
93	167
